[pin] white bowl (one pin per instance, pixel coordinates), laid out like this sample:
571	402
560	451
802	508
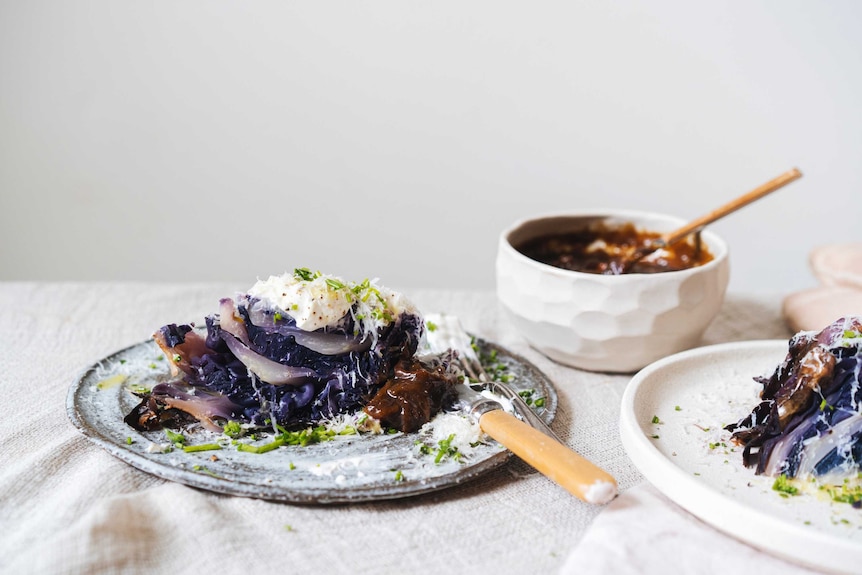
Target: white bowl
613	323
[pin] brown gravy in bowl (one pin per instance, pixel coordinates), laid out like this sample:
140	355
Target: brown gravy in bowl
601	250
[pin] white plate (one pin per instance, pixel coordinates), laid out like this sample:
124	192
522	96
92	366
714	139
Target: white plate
350	468
695	394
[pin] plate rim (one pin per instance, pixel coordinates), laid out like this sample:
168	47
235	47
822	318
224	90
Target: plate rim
692	494
304	495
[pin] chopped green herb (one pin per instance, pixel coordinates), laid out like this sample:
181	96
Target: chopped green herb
266	447
334	283
291	466
527	395
306	436
153	365
784	487
233	429
677	408
399	475
129	441
432	327
654	436
277	316
446	449
288	527
177	358
201	447
174	437
203	469
656	420
844	493
539	402
305	274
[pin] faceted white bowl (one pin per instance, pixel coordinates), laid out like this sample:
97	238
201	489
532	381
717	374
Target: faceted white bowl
607	323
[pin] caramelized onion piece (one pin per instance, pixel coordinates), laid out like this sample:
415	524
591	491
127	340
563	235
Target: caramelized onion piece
181	345
265	369
160	408
319	341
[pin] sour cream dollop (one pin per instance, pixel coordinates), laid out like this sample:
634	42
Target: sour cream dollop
316	301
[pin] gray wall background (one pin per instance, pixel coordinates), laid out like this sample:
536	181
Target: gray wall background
215	140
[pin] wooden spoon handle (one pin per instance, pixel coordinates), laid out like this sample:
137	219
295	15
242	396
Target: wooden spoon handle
575	474
730	207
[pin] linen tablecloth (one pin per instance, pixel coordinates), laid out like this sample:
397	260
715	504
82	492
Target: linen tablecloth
67	506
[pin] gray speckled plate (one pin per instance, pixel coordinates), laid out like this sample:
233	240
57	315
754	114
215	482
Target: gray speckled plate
350	468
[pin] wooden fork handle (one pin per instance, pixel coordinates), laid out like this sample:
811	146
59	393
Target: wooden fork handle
730	207
575	474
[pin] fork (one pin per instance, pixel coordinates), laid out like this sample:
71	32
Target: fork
474	370
535	443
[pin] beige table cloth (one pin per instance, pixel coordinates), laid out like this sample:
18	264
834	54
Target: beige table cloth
67	506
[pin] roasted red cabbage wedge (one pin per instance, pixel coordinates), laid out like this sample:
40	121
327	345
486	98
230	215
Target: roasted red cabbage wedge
295	350
809	421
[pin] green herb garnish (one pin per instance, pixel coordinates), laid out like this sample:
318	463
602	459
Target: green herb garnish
175	438
233	429
248	448
844	493
201	447
784	487
203	469
305	274
446	449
